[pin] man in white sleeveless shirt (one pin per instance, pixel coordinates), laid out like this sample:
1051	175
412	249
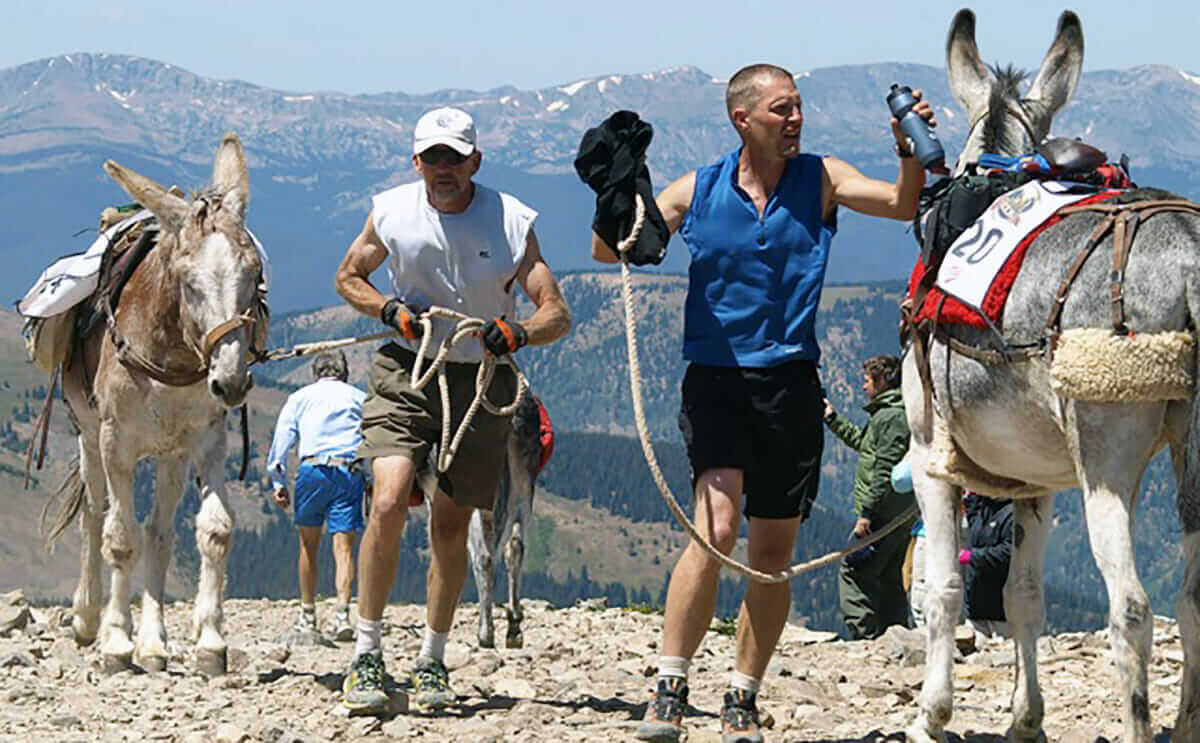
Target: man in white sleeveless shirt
448	242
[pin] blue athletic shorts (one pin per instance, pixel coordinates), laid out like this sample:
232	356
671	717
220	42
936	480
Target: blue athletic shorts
323	490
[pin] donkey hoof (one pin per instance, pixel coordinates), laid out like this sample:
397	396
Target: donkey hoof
514	640
487	641
1025	736
153	663
916	733
82	640
83	635
112	664
211	662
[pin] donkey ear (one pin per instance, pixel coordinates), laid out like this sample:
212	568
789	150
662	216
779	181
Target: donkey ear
229	167
235	202
169	208
970	80
1056	81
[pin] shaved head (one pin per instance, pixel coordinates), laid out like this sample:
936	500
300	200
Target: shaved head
745	87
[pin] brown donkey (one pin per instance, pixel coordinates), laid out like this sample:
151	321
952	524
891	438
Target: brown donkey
157	382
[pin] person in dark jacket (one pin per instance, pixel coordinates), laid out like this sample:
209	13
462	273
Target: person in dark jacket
985	562
871	584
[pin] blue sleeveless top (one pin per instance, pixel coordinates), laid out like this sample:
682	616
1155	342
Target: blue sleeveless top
754	283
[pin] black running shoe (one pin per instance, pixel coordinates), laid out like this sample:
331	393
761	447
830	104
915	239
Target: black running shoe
362	690
739	718
663	722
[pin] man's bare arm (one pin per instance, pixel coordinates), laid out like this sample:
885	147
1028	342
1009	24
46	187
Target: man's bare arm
673	202
365	254
850	188
551	320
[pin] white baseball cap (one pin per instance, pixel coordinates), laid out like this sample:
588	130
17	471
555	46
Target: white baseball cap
451	127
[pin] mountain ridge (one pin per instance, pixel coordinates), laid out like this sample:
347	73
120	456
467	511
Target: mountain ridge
317	157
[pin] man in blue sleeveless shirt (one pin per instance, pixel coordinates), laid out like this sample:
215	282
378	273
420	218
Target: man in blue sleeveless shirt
758	224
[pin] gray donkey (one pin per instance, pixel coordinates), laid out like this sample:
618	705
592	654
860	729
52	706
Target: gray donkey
1023	426
505	524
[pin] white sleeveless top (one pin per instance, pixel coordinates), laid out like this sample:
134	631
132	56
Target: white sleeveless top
465	262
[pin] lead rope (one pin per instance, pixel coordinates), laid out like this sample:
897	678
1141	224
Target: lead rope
639	414
466	328
421	376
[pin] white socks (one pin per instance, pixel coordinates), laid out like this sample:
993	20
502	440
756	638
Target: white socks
434	645
673	665
748	684
368	638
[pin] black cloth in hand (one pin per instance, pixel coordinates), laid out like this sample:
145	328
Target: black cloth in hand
501	336
403	317
612	162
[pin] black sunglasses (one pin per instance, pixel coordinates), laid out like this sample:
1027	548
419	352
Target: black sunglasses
435	156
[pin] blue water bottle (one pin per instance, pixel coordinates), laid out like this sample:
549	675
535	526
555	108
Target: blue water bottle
925	143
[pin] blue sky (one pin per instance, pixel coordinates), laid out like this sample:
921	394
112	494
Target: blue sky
418	46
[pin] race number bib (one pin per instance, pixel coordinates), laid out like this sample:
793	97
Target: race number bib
976	257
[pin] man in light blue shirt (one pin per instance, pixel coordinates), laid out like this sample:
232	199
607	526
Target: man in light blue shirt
325	416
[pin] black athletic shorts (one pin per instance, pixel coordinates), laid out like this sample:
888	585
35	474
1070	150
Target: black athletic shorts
765	422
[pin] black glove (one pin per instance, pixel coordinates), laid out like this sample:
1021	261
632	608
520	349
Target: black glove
501	336
402	317
611	161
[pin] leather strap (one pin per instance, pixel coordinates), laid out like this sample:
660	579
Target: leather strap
1124	220
1053	323
216	334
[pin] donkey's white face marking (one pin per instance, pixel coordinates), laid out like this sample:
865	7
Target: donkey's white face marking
218	281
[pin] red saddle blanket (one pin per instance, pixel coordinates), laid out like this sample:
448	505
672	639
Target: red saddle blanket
956	312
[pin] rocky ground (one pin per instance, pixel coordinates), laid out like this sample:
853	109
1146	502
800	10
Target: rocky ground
583	675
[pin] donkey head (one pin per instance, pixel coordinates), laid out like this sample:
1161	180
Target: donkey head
213	269
1003	122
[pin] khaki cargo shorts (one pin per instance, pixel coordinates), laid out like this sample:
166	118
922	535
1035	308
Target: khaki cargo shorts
399	420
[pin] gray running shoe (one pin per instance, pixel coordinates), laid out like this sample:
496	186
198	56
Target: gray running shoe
431	685
306	622
663	722
363	689
342	630
739	718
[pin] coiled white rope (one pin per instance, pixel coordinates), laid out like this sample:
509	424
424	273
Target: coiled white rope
639	414
466	327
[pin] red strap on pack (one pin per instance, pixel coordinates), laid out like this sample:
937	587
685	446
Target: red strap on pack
546	434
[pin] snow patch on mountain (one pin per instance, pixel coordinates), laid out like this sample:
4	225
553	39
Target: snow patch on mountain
574	87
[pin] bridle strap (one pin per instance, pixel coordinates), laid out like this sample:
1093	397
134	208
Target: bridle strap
131	358
215	335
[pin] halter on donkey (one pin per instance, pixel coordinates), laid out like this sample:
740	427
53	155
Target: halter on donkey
156	380
1102	284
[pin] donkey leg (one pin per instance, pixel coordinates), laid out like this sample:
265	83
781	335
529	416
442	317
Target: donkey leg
479	546
159	539
1187	605
120	549
1187	609
85	621
1129	618
943	598
514	556
214	539
1025	608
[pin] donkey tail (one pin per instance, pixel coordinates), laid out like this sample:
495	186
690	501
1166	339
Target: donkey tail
69	496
